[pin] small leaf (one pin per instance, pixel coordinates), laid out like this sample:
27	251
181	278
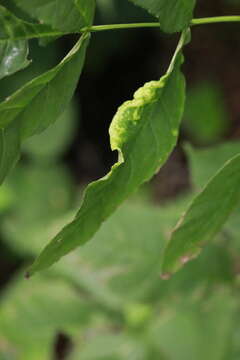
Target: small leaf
207	214
46	97
144	131
174	15
13	57
64	15
13	28
14	34
13	51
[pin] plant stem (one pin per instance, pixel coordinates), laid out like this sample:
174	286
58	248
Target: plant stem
215	20
194	22
97	28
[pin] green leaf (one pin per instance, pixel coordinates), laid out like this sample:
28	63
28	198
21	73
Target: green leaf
196	328
126	270
204	218
203	164
174	15
9	149
13	52
144	131
13	57
13	28
46	96
39	148
64	15
14	33
30	319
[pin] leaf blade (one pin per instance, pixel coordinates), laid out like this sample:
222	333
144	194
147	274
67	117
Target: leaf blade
13	57
174	15
46	96
14	28
53	12
205	217
14	33
135	166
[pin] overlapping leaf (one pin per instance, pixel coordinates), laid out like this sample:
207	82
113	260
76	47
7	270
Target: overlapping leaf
13	28
205	217
14	33
204	162
13	57
45	96
144	131
64	15
174	15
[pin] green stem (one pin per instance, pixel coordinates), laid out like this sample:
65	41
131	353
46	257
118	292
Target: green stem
97	28
194	22
215	20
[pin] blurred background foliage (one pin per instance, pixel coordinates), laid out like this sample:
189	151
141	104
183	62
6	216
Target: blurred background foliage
106	301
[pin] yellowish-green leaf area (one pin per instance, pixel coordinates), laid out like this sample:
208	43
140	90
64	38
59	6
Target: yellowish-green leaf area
46	96
64	15
144	131
174	15
205	217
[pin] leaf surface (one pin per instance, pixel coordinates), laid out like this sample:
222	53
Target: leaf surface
30	319
9	149
13	57
207	214
144	131
13	52
46	96
174	15
13	28
14	33
64	15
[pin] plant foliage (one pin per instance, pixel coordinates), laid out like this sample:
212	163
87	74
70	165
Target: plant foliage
144	131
